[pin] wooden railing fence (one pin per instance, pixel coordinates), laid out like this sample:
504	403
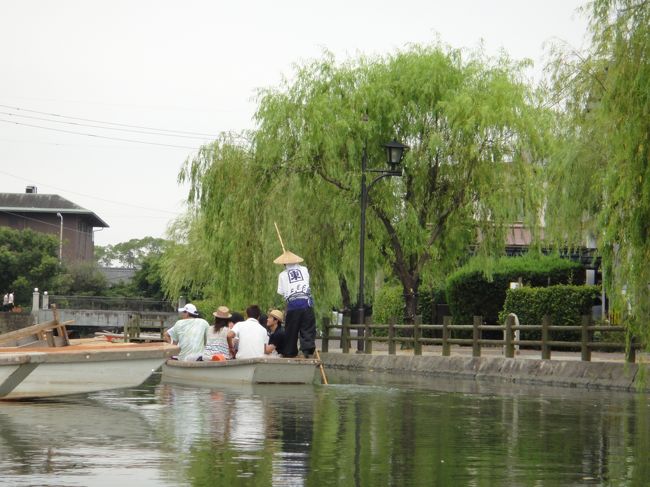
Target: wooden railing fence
509	342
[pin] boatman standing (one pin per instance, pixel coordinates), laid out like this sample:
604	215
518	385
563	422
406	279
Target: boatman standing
300	321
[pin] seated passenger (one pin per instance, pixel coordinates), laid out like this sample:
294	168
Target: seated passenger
189	333
252	336
276	332
217	339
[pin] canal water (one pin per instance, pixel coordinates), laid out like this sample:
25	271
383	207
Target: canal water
363	430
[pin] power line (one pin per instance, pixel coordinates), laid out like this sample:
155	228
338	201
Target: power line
101	127
56	225
100	136
90	196
106	123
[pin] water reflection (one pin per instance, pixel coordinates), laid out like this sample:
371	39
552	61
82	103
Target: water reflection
254	434
364	430
46	443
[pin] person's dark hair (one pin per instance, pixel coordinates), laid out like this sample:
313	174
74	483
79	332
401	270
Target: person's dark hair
253	311
219	323
236	317
262	319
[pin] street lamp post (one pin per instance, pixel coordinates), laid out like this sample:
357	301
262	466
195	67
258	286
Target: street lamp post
60	238
394	153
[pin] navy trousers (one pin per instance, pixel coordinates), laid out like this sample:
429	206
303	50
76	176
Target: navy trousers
299	323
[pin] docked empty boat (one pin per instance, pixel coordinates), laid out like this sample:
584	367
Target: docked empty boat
40	361
263	370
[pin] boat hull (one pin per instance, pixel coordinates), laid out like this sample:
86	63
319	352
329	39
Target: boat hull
40	373
241	371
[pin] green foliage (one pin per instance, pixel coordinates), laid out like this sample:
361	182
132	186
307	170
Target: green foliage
129	254
388	304
81	279
476	134
147	281
479	288
565	305
600	172
28	259
224	247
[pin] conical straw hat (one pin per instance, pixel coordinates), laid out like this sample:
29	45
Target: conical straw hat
288	258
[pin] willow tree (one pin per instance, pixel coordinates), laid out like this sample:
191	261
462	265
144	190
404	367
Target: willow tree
601	174
476	134
216	254
226	243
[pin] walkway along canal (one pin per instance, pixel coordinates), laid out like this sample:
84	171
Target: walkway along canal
504	360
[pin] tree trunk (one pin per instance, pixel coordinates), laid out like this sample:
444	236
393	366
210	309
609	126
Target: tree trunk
410	308
411	304
345	292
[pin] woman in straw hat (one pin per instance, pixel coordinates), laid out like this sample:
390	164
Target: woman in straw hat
293	286
217	339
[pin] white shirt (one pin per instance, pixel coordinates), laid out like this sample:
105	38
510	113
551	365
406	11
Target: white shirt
252	338
293	282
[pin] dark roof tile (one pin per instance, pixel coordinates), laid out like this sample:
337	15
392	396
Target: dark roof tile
44	203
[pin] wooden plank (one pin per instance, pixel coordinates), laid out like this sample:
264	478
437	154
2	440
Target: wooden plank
32	330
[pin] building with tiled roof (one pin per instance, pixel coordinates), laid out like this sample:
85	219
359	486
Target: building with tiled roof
71	224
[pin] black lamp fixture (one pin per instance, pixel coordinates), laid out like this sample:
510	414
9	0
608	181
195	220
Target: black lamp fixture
394	153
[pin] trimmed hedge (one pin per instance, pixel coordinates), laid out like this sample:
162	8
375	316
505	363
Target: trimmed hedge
564	304
470	293
388	303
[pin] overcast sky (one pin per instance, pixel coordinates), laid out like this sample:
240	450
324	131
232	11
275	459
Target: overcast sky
192	68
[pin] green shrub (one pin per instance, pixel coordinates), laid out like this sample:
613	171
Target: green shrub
470	292
565	305
388	303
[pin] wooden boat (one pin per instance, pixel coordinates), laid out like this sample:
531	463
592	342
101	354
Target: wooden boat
263	370
119	337
34	363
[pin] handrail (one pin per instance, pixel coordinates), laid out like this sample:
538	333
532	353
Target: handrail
509	342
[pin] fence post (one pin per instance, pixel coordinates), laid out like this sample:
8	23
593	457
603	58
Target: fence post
36	298
345	335
417	334
133	327
446	321
509	346
367	335
162	328
391	336
546	350
585	351
324	346
476	336
630	351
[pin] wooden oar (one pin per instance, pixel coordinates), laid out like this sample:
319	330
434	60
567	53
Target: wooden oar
322	370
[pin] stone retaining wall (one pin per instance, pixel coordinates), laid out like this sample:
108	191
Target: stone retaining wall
589	375
10	321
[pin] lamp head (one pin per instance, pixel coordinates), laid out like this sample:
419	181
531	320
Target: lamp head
394	153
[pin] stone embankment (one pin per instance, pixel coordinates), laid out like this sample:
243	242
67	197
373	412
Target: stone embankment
565	373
